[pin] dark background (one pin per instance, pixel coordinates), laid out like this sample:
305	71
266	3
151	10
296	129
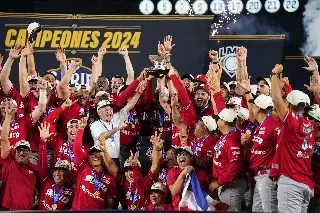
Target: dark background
264	23
280	22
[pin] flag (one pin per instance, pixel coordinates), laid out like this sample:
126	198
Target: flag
194	199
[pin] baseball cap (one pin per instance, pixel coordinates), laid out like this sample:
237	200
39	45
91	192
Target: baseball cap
314	112
72	121
158	187
94	148
83	86
243	113
204	87
232	84
234	101
295	97
226	86
200	78
184	149
266	80
62	164
32	78
22	143
228	115
103	104
209	122
101	93
188	76
262	101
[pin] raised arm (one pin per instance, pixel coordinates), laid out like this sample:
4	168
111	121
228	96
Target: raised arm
5	144
45	134
23	72
276	94
42	103
31	65
64	83
111	165
5	74
94	74
136	97
107	134
77	147
62	59
124	52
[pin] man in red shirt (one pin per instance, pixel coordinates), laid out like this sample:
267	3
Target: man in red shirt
203	142
18	175
157	196
295	186
201	99
228	162
263	143
177	175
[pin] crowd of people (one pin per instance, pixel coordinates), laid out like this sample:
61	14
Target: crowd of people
79	147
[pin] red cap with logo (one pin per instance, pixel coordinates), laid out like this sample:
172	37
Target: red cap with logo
201	78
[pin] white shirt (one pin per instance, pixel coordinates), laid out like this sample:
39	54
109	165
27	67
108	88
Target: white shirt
112	143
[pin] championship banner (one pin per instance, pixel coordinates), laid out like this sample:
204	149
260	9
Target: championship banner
264	51
83	35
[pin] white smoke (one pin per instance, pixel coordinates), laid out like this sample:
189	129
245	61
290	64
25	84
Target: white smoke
311	23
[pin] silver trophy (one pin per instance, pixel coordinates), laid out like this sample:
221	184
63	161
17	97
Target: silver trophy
33	30
159	68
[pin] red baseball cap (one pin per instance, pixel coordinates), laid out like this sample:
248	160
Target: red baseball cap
204	87
200	78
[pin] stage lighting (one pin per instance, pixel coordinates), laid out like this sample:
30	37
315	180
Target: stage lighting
217	7
200	7
164	7
253	6
272	6
182	7
235	6
291	5
146	7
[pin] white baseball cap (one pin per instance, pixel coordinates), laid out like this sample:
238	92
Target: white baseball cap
262	101
209	122
184	148
228	115
72	121
158	187
83	86
62	164
314	112
265	79
94	149
32	77
295	97
101	93
243	113
103	103
226	86
22	143
236	101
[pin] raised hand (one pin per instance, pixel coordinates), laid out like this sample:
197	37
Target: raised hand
314	83
102	51
278	68
9	109
27	50
42	84
161	49
44	130
61	55
244	84
213	55
102	144
94	60
15	51
76	62
241	53
83	122
167	43
134	159
123	51
141	87
67	103
312	64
